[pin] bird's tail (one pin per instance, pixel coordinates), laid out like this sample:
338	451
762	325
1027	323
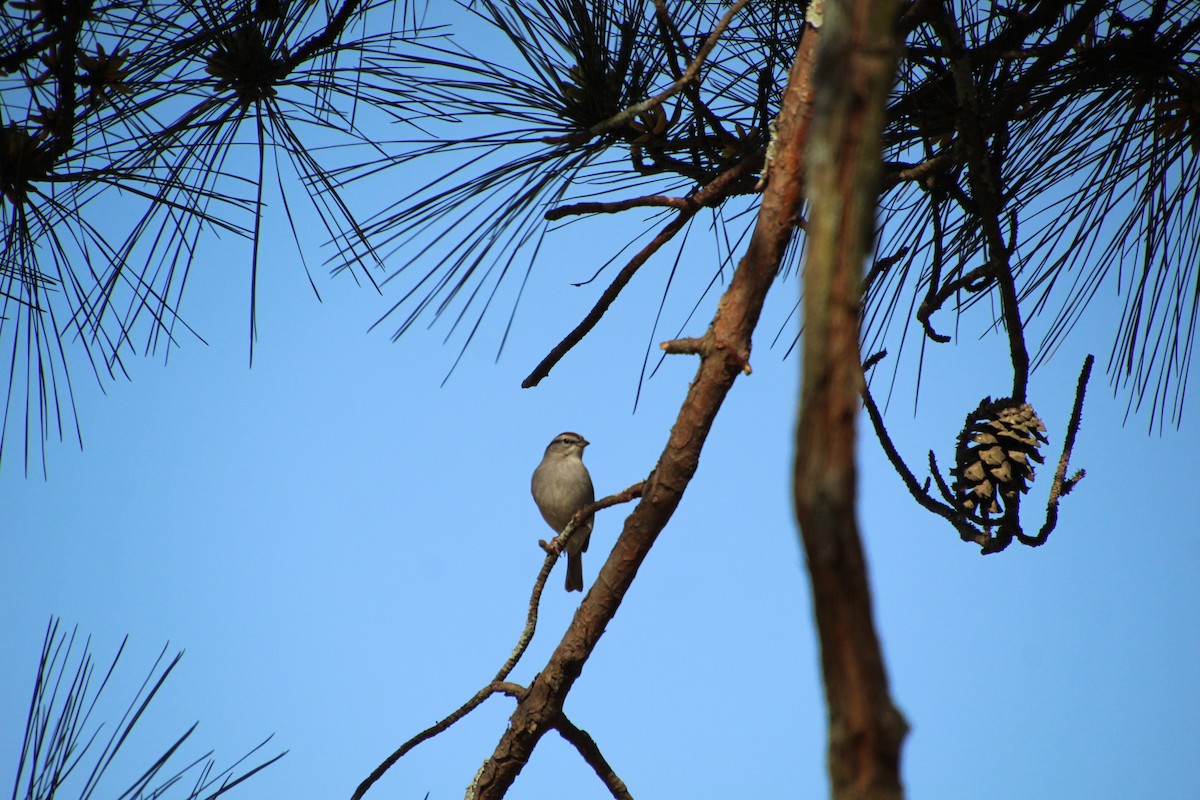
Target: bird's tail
574	572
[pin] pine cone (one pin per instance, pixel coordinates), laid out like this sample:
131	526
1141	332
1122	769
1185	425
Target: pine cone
995	449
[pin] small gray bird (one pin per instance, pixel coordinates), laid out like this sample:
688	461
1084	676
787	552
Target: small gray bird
561	486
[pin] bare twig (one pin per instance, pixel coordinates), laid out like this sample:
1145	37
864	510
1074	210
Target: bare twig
612	207
973	281
607	298
932	303
873	359
878	269
708	194
558	543
688	346
535	599
1062	485
919	172
947	495
496	687
587	748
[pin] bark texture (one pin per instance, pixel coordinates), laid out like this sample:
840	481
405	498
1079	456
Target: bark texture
855	67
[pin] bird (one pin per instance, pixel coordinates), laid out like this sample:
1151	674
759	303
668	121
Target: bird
561	486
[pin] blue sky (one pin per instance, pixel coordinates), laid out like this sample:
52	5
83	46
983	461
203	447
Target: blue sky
345	551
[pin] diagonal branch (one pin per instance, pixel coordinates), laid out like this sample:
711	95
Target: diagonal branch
495	687
709	194
590	751
614	206
730	336
499	684
324	38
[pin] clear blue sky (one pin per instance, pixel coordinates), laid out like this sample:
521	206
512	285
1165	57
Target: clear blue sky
345	550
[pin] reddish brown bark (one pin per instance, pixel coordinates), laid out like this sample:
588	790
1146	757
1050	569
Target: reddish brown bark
856	63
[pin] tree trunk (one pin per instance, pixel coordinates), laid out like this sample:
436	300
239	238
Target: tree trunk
855	66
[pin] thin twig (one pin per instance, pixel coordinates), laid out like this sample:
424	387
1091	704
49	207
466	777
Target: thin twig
612	207
879	268
919	172
923	498
931	302
587	748
1062	484
706	195
495	687
947	495
559	543
322	39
